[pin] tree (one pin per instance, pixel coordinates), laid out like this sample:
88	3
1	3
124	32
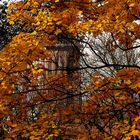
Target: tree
34	103
7	30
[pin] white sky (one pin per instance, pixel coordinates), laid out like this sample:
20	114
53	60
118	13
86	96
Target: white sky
1	1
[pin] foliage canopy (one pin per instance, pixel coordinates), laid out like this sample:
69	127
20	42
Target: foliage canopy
94	97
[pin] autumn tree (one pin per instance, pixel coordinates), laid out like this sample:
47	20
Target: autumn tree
34	97
7	30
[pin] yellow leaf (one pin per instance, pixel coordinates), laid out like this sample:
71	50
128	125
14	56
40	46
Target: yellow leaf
33	11
99	25
40	70
8	63
52	7
32	137
117	94
137	85
34	33
128	82
79	12
35	42
59	22
117	17
56	0
132	5
38	23
57	31
135	132
11	22
35	4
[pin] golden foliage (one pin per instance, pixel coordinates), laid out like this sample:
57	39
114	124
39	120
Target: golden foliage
39	107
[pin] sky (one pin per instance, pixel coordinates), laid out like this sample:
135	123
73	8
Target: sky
1	1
